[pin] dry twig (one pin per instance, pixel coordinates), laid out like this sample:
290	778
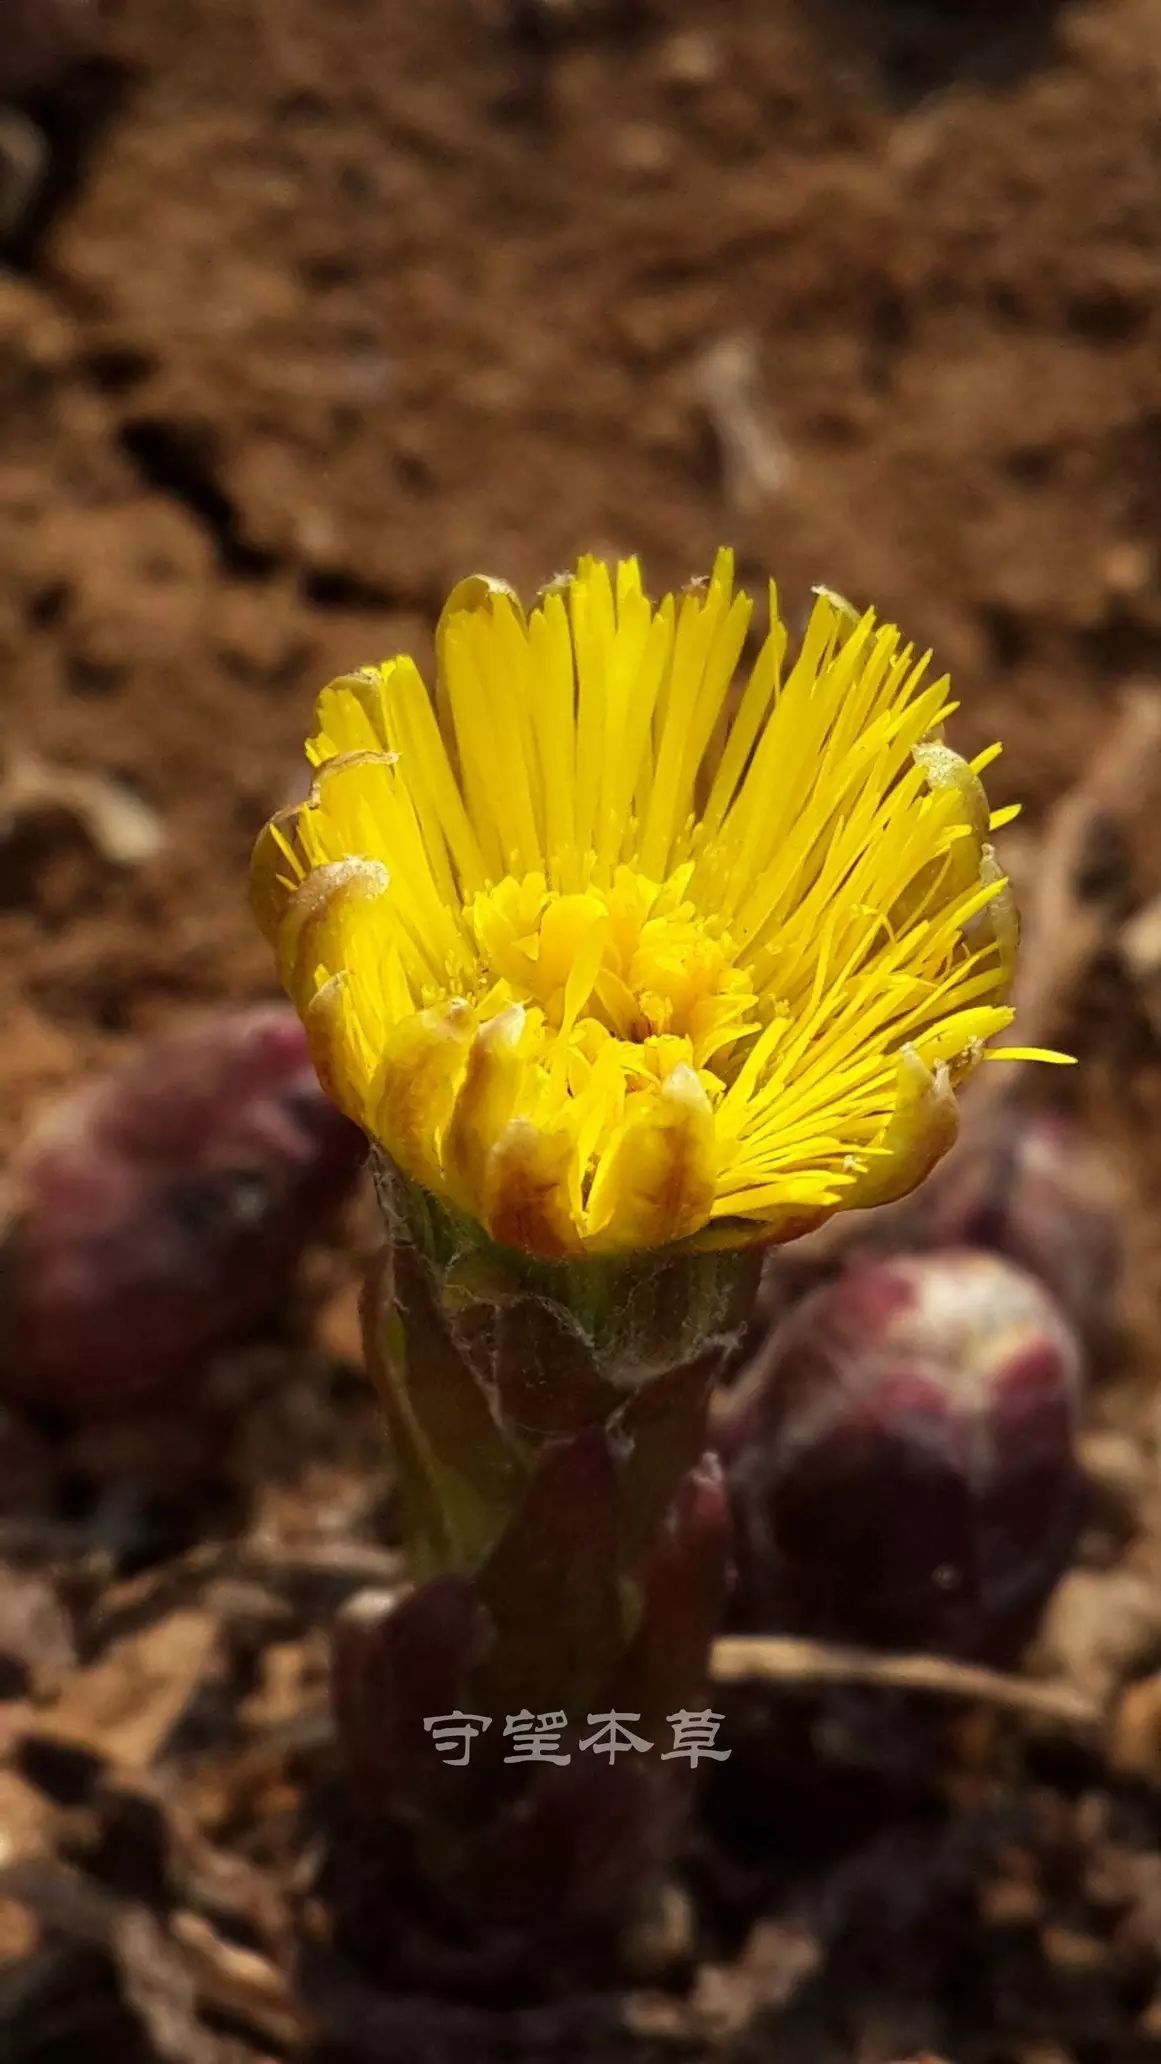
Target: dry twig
785	1661
1065	921
124	829
755	462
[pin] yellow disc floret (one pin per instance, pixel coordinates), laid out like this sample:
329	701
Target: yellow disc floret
608	952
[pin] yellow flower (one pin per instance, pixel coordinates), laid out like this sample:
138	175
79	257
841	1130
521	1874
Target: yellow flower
606	954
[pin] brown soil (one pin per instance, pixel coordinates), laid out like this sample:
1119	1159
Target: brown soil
321	308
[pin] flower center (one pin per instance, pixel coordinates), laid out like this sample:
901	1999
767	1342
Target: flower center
633	962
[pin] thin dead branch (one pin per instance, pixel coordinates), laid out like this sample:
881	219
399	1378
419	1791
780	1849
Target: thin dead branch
754	459
783	1662
123	828
1066	919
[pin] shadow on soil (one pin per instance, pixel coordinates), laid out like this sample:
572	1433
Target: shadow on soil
922	45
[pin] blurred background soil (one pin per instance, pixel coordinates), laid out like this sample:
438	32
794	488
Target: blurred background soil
317	309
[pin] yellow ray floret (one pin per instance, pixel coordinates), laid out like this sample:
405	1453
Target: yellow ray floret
608	949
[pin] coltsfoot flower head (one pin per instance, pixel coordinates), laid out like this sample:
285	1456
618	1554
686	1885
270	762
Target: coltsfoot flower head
607	953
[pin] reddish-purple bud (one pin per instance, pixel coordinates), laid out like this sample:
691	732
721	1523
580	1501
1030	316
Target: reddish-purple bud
1030	1185
901	1457
160	1211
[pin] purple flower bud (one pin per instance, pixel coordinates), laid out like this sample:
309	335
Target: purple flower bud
1032	1186
160	1211
901	1457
